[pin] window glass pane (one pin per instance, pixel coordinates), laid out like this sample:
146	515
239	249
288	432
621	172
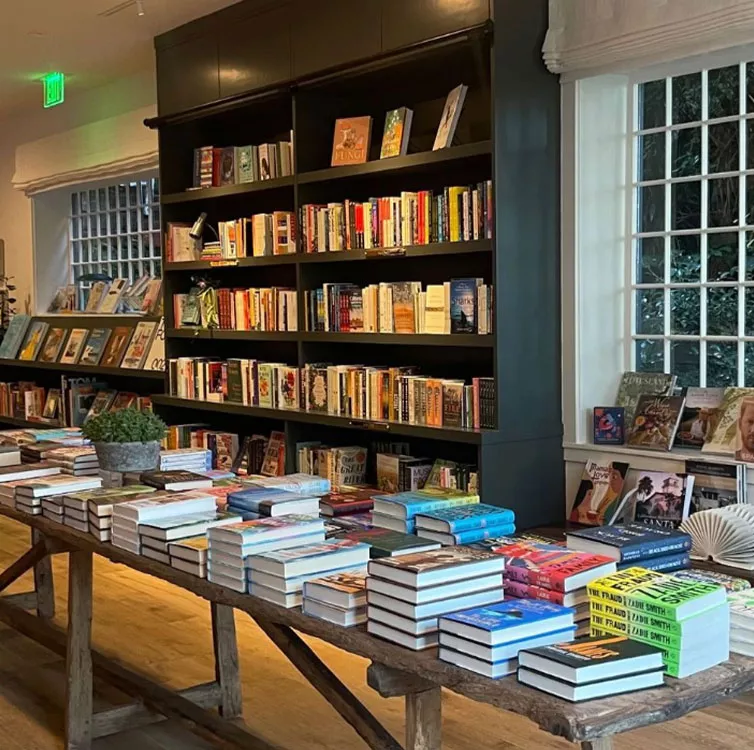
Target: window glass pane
684	312
722	364
722	311
74	204
652	157
75	228
722	256
750	199
92	201
748	364
652	208
687	98
686	205
133	220
122	201
687	152
156	217
650	311
723	147
723	202
84	202
650	260
684	362
685	259
749	318
652	104
750	87
723	92
133	199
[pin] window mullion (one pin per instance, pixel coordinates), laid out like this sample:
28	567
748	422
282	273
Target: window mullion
742	161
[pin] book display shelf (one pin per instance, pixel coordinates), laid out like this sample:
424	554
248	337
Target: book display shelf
507	134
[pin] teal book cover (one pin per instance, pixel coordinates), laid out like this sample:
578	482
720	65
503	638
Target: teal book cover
14	336
478	515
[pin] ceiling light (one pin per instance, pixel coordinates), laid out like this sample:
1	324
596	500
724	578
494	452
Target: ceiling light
139	7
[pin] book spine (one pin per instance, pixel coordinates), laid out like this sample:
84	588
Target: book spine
645	550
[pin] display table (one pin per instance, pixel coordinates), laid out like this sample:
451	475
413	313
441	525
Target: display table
395	671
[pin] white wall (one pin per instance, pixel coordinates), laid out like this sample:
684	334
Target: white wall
131	92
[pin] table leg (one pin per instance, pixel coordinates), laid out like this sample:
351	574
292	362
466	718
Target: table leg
424	720
79	693
43	582
227	671
605	743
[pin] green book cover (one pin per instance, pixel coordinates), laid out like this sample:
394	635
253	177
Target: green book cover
637	632
613	611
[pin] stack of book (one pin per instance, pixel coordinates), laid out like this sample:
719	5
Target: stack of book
100	503
731	584
279	576
465	524
129	515
344	466
190	555
487	640
742	622
400	473
231	547
29	494
10	455
591	668
339	598
186	459
549	572
257	502
77	460
631	544
176	480
297	482
398	512
406	595
53	508
387	543
688	620
345	501
156	534
12	476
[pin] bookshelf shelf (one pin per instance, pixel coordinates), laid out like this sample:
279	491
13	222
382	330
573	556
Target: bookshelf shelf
223	334
27	423
83	370
403	339
204	265
203	194
474	437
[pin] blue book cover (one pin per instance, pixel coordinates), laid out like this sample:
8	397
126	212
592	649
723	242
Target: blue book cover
299	482
254	498
470	536
314	551
663	564
14	336
463	297
95	346
249	532
497	618
631	541
422	501
475	516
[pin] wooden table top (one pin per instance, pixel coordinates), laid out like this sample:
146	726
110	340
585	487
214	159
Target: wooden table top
576	722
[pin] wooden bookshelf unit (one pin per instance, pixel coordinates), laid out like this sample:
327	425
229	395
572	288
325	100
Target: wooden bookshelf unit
508	133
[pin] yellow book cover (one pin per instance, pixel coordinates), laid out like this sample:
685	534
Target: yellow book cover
454	199
617	586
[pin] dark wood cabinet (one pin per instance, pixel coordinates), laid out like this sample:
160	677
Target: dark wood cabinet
257	53
406	22
187	75
328	33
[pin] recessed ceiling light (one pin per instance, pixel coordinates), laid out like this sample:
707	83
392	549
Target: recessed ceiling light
139	7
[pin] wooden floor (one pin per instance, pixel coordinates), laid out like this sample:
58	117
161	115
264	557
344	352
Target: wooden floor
164	632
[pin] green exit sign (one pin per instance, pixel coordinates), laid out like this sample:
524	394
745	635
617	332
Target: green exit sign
54	88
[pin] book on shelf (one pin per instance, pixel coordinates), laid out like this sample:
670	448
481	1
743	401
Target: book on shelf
399	473
96	295
656	420
116	346
635	384
609	425
235	165
35	336
725	437
95	346
137	349
14	336
598	496
52	409
112	298
455	214
699	417
344	466
396	133
662	498
180	245
716	485
155	359
53	344
351	141
74	346
451	114
745	437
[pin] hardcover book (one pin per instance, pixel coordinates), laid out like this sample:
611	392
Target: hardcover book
175	480
730	583
745	436
102	402
725	437
155	359
347	500
656	421
463	297
715	485
408	504
113	297
137	349
465	517
52	345
396	134
635	384
14	335
450	116
598	497
387	543
351	141
263	529
629	542
609	425
33	341
700	416
345	590
95	346
662	499
116	346
73	347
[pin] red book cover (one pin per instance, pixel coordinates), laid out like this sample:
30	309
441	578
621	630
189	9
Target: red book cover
554	574
357	500
217	164
526	591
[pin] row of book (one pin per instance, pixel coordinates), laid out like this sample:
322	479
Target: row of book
255	309
456	214
389	394
110	297
129	347
457	306
235	165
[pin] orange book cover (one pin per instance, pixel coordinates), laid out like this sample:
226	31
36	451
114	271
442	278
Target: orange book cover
351	141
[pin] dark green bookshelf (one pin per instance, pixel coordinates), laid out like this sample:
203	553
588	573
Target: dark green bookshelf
508	132
27	423
82	370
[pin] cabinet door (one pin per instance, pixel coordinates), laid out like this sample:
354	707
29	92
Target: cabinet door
327	33
187	75
407	22
255	52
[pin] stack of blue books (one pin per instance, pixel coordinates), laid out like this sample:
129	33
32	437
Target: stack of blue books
487	639
267	502
465	524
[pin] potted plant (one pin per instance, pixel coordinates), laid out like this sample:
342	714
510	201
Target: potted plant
126	440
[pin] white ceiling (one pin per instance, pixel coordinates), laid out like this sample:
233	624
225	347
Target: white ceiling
74	37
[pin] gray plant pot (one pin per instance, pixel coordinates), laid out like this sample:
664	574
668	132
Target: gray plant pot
128	456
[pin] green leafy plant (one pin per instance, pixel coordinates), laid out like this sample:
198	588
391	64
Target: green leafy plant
125	426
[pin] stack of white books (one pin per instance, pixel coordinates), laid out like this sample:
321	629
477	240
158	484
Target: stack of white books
279	576
52	508
190	555
742	622
487	640
156	534
100	503
339	598
13	476
10	455
186	459
406	595
230	546
77	460
29	494
127	516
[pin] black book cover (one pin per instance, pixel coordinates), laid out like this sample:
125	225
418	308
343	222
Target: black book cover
161	479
